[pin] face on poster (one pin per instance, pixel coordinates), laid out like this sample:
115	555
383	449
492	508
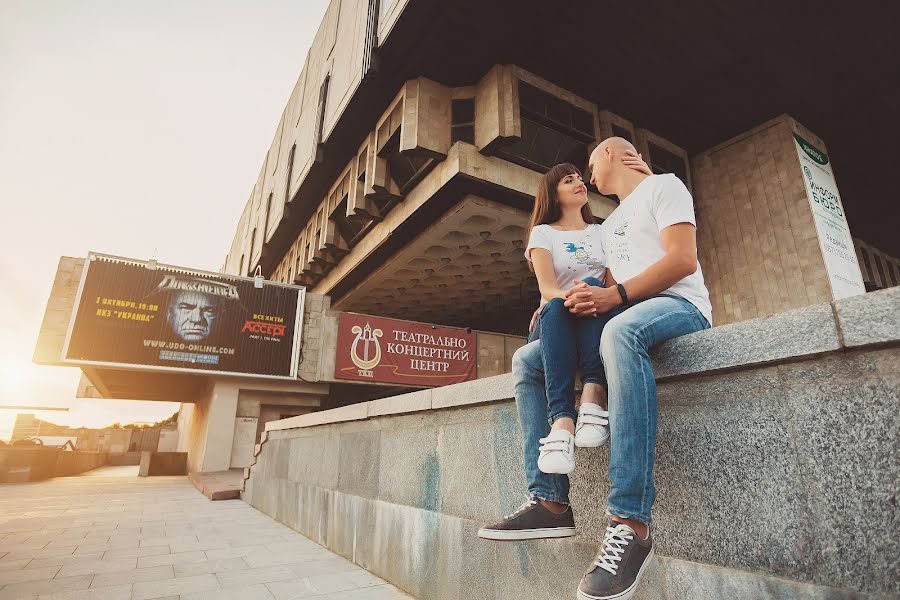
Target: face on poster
168	318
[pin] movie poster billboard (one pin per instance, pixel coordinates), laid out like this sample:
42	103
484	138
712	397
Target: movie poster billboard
403	352
141	315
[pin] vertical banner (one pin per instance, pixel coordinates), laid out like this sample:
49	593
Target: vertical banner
391	351
831	223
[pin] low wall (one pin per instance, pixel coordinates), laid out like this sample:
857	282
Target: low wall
20	464
777	470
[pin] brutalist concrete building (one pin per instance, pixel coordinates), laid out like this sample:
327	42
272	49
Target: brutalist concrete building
399	184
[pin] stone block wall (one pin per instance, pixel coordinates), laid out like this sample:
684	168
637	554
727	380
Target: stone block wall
777	464
756	236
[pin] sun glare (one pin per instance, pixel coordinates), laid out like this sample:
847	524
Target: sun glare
12	379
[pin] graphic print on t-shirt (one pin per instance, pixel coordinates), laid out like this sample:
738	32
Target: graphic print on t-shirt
582	256
620	247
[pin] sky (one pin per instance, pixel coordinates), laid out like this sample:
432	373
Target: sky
132	128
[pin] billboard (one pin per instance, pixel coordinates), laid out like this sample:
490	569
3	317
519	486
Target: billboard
403	352
141	315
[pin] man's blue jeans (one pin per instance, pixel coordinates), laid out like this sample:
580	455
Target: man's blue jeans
568	342
624	346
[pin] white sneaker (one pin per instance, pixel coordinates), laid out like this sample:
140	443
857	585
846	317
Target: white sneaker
592	428
557	453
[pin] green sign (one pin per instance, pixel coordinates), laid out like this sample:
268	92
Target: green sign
811	151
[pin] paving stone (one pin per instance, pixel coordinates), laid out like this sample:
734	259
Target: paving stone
133	576
119	592
252	592
45	586
174	587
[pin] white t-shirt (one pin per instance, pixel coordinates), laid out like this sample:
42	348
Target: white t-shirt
576	254
631	234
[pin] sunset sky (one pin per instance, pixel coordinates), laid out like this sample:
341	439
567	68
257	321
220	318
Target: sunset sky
132	128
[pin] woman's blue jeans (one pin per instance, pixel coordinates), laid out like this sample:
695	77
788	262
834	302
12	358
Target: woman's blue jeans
624	346
569	342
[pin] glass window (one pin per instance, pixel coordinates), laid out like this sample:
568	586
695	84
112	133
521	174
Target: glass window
621	132
663	161
558	114
463	120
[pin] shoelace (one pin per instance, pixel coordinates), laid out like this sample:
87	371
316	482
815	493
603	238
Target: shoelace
614	543
525	505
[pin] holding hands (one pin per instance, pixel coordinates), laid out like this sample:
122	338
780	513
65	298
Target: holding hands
586	301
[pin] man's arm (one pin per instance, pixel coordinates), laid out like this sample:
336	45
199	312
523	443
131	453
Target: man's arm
679	261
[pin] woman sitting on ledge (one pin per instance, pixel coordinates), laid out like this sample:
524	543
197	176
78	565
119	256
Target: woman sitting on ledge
657	294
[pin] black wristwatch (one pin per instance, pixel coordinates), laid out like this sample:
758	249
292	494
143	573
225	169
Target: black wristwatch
622	293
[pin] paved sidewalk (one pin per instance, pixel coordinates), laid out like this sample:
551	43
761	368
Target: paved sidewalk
109	535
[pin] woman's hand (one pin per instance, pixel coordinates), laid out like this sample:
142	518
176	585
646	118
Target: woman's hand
633	160
534	319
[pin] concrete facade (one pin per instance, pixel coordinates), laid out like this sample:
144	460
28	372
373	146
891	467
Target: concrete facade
774	460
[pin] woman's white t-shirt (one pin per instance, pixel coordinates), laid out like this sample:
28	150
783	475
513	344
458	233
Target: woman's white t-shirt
576	254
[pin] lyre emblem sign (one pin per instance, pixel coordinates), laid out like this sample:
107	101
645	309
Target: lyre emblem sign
371	349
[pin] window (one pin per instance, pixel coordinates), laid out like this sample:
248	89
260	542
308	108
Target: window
405	170
268	212
290	173
320	116
663	161
621	132
553	131
463	120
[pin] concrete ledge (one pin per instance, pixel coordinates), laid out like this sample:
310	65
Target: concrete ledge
870	319
760	469
220	485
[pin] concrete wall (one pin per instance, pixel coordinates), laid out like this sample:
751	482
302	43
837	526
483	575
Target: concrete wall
777	466
756	236
18	464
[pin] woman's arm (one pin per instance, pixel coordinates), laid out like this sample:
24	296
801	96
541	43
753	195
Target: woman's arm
542	261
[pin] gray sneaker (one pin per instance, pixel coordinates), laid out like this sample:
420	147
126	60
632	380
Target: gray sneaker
531	521
616	571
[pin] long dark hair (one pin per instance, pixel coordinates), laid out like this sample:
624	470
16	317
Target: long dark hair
546	202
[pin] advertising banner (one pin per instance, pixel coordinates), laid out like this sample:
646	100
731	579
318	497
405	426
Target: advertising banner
831	223
141	315
403	352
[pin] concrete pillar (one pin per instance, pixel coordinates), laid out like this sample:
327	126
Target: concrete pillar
211	431
757	238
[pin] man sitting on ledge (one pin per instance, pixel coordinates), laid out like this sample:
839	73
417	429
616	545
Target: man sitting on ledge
651	246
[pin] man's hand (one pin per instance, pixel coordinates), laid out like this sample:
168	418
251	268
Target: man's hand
583	300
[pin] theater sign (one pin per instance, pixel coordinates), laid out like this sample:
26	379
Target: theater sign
142	315
403	352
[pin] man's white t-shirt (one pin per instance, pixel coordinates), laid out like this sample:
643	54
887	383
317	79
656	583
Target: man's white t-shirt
576	254
631	234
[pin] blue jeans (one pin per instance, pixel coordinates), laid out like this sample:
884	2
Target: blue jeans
568	342
624	347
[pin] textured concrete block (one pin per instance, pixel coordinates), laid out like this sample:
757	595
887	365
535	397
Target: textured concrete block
846	439
404	403
359	463
489	389
418	482
314	460
872	318
793	334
